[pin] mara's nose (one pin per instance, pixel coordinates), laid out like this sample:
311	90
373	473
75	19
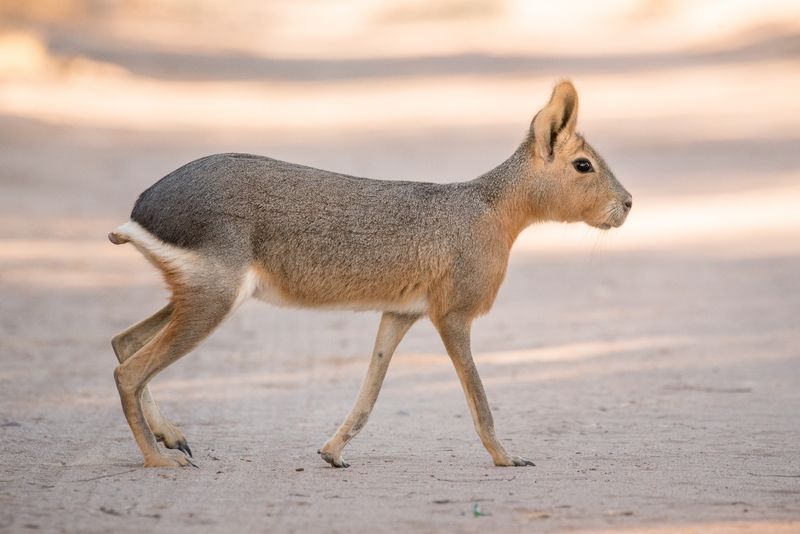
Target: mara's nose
628	203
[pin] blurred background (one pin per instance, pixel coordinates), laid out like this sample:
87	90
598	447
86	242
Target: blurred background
663	354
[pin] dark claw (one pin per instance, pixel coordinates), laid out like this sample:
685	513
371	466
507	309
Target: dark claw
184	448
192	463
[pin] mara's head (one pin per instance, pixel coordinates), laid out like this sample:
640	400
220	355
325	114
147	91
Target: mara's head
577	182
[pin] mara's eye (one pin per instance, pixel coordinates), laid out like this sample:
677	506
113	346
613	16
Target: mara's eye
583	165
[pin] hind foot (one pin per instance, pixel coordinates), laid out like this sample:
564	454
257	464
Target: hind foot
163	460
170	436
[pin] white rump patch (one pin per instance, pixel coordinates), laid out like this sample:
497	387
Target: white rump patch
157	251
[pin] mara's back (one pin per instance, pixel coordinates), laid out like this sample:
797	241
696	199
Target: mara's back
318	237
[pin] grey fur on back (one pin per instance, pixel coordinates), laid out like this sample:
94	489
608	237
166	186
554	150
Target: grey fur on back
207	200
308	224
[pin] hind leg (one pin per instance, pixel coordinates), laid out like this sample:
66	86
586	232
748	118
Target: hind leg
197	311
125	345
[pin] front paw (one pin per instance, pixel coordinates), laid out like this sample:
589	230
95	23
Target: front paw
513	461
335	459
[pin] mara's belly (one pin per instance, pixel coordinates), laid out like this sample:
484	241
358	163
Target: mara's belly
261	285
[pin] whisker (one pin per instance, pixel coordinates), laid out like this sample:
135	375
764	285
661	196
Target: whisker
597	243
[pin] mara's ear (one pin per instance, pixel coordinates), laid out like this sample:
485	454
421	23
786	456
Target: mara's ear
557	117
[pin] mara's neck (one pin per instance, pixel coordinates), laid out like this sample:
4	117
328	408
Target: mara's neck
515	192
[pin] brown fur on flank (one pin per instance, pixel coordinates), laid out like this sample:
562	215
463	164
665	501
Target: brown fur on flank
230	226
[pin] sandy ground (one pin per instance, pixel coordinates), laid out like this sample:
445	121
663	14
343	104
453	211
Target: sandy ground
652	372
655	387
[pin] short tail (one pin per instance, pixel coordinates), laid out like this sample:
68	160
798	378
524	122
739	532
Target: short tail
118	238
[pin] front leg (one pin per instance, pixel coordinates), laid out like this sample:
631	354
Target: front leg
454	330
391	330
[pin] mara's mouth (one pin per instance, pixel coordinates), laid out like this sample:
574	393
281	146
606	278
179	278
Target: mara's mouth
613	218
603	225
